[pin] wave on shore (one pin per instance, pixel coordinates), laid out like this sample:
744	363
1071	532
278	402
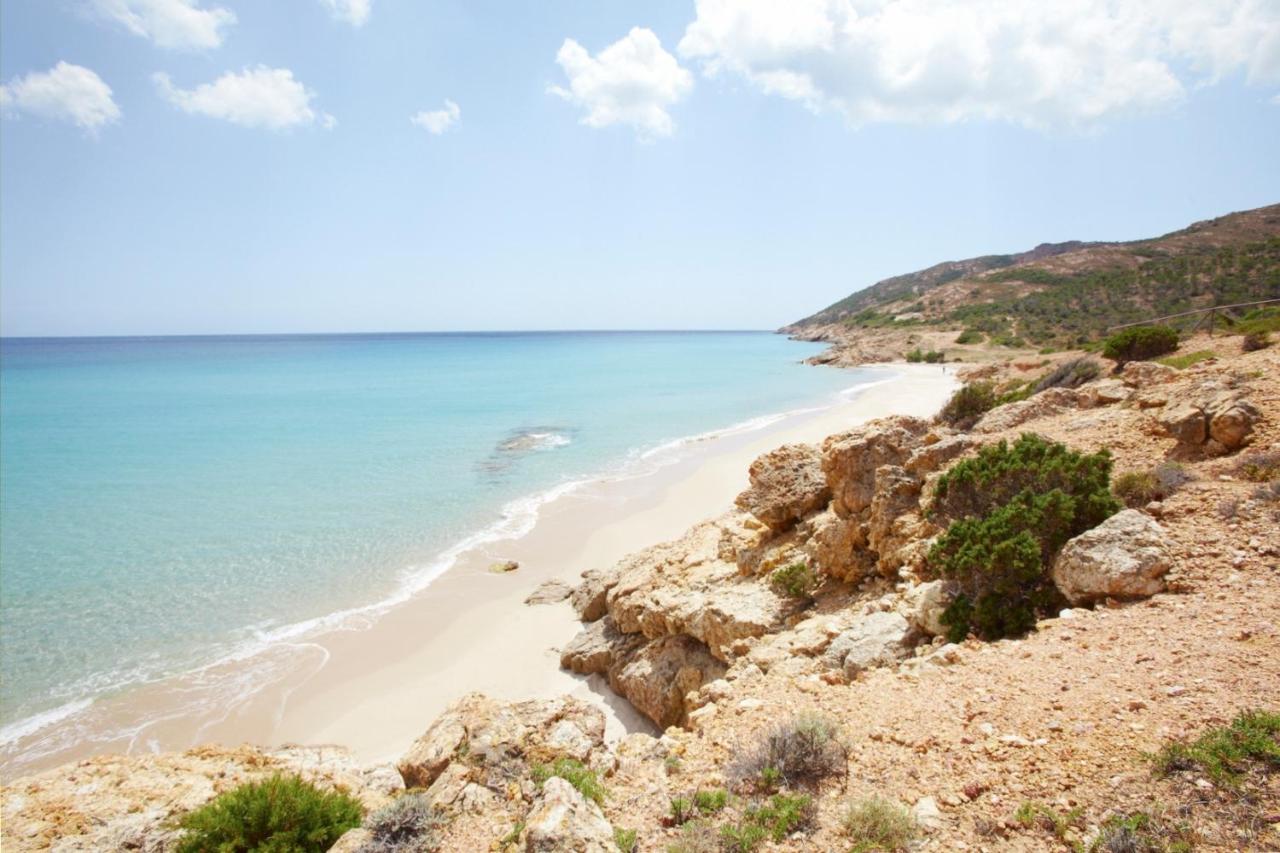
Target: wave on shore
226	679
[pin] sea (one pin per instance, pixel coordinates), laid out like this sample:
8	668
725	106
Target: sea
170	502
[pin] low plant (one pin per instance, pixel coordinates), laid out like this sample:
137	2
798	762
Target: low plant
1140	832
970	336
1069	374
916	356
407	825
1254	341
681	810
625	840
742	837
803	751
782	815
512	837
1250	742
796	580
877	824
576	774
1182	362
1268	493
1259	466
698	836
712	801
280	814
1139	488
1057	823
1140	343
969	402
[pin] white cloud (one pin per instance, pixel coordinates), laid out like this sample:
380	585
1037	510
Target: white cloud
1067	62
631	82
256	97
353	12
177	24
438	121
65	92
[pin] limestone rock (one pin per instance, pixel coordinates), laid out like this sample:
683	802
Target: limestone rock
1105	392
353	841
549	592
497	737
563	820
838	547
850	459
598	647
786	485
891	519
588	597
657	677
1143	374
873	640
1231	423
924	604
935	455
1047	402
1187	425
1124	557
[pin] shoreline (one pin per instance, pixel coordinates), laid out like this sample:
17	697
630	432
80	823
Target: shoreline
375	683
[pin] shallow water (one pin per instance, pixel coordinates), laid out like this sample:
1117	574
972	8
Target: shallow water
166	502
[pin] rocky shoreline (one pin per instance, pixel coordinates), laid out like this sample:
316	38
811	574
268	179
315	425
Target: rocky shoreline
1172	623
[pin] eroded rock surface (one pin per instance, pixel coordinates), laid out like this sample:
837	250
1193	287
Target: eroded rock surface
1125	557
786	485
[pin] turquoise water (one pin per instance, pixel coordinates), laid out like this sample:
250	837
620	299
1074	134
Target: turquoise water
166	501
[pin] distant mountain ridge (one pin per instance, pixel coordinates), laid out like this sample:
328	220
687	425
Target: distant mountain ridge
1071	292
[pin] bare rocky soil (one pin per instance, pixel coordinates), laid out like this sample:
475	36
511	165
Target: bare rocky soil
1176	629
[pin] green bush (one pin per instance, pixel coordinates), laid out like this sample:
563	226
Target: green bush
970	336
576	774
967	404
407	825
876	824
1224	754
1140	343
710	802
281	814
1010	509
796	580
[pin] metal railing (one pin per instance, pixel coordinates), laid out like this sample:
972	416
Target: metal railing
1210	317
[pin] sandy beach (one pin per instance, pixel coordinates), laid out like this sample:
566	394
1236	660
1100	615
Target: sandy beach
376	684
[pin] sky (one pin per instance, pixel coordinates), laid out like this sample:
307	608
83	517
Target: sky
226	166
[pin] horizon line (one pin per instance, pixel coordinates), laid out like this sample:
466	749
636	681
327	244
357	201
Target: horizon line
458	332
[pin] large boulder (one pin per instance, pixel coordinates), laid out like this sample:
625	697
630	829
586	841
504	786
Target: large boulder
599	647
1143	374
873	640
589	597
1010	415
657	677
1125	557
850	459
1231	423
923	606
563	820
497	738
838	547
786	485
1209	418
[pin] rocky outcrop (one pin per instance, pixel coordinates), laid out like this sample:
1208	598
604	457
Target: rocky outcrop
1144	374
482	740
923	606
549	592
588	597
786	485
1125	557
658	677
873	640
1210	419
850	459
115	802
563	820
1048	402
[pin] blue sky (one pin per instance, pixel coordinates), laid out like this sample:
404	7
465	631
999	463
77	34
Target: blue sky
677	165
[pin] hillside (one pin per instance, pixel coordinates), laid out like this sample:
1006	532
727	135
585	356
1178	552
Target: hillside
1069	294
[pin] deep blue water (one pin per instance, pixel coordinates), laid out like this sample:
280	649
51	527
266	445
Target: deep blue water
166	500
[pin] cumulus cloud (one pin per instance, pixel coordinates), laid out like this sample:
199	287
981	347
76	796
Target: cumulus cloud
353	12
255	97
176	24
631	82
438	121
1072	62
65	92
